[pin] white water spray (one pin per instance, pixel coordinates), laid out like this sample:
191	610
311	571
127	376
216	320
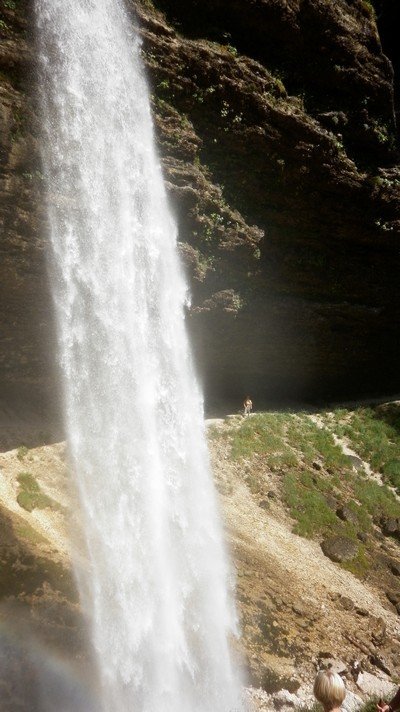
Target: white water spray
157	583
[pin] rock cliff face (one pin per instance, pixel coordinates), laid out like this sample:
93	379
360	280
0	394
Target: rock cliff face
276	128
26	314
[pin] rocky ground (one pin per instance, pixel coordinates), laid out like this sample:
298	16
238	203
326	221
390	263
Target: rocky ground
298	610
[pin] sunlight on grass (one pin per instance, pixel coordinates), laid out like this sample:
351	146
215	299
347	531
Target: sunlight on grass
316	479
377	500
375	436
260	434
307	506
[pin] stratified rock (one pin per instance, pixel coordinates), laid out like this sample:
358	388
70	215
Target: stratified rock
276	132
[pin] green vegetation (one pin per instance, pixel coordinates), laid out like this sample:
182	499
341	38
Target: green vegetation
31	496
23	577
368	6
316	479
307	504
232	50
284	438
12	4
4	27
375	436
22	452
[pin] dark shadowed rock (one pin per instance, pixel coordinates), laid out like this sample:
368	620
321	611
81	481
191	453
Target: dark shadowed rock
339	549
382	664
346	514
390	526
276	132
346	603
395	568
393	597
362	536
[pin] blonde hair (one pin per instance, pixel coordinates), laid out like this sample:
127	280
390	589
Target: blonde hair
329	689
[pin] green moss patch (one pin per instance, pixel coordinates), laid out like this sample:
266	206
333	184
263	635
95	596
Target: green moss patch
31	496
324	494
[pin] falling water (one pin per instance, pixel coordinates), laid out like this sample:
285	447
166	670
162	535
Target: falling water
156	582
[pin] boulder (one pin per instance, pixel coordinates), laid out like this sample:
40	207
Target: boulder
339	549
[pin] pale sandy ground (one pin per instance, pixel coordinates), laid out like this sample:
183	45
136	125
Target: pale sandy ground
47	464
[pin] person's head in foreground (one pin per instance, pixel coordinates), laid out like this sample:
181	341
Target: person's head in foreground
329	690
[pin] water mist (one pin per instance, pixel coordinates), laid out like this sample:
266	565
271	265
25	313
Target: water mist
156	584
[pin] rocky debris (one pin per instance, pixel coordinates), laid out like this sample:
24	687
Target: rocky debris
346	603
293	624
390	527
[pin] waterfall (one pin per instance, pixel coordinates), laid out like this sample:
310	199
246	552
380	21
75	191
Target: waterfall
156	584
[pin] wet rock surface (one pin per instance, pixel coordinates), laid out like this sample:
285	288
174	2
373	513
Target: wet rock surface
275	126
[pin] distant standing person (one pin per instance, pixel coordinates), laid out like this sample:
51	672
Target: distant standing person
329	690
247	405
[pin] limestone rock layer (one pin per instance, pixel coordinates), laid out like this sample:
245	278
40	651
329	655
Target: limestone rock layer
275	122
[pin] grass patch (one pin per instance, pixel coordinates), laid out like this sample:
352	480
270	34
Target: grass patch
359	565
22	452
262	434
318	477
31	496
377	500
374	434
307	505
287	439
281	460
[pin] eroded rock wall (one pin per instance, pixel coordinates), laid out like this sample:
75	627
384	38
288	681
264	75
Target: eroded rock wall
276	130
289	109
26	341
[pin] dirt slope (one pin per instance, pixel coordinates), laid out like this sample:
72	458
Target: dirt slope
297	609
